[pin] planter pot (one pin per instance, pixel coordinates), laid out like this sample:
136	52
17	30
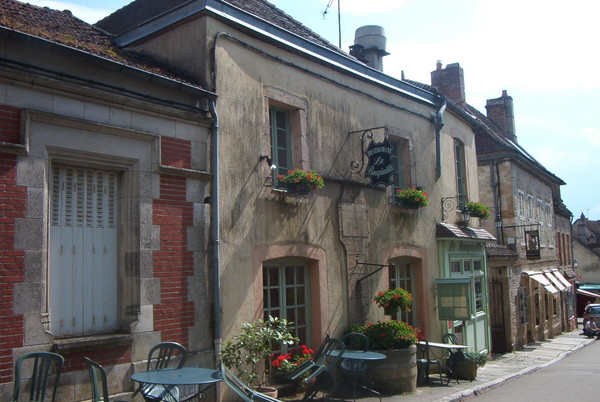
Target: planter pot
466	371
397	373
269	391
407	205
302	190
390	310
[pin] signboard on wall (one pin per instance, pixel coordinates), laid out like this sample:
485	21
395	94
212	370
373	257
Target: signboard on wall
532	245
379	166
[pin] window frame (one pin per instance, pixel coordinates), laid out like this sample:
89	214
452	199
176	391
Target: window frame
460	170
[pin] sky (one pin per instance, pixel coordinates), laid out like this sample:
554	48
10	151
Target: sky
544	53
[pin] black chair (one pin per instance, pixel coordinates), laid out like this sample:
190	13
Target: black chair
44	365
355	369
455	358
163	355
424	361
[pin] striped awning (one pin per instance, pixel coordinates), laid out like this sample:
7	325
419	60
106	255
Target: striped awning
539	277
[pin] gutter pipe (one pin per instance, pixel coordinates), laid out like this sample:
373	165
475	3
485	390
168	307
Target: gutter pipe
214	199
438	123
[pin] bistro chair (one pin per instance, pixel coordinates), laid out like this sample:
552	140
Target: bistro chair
164	355
241	389
455	358
44	364
308	365
424	361
98	381
322	377
353	368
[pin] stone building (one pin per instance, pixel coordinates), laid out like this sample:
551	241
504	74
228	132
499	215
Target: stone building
531	297
104	172
586	251
186	161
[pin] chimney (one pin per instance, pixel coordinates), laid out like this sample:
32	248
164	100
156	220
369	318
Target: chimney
501	112
369	46
450	81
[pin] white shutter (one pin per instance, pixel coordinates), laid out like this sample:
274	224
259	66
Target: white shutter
83	251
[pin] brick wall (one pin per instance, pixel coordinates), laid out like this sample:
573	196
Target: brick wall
176	152
106	357
13	201
173	263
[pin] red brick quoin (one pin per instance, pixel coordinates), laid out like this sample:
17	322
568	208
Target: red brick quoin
173	262
13	200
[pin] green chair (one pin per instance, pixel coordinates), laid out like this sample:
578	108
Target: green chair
44	364
424	361
163	356
98	381
322	378
242	390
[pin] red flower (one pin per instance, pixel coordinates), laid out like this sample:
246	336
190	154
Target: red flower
276	363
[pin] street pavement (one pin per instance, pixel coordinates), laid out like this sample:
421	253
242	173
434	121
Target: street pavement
499	369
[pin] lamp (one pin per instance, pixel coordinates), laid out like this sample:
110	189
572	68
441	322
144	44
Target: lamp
457	201
269	161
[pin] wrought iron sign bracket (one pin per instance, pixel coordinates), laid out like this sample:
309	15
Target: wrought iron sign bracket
367	135
450	203
381	266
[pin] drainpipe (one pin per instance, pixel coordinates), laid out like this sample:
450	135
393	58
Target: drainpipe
214	198
438	123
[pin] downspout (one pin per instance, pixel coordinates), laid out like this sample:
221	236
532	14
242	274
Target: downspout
438	122
215	224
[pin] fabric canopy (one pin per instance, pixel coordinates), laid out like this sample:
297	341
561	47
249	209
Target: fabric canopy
539	276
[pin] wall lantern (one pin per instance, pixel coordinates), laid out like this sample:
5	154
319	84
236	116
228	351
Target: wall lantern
457	202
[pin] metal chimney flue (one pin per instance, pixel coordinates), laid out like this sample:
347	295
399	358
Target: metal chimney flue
369	46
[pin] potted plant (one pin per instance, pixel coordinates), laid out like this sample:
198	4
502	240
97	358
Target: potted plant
467	368
413	198
397	374
249	350
478	210
394	300
283	364
301	181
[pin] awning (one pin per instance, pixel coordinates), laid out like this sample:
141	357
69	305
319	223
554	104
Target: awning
539	276
561	278
555	281
586	293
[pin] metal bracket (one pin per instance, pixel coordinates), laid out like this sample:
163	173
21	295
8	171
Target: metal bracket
381	266
367	134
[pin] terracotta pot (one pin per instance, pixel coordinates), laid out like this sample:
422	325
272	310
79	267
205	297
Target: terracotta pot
397	373
269	391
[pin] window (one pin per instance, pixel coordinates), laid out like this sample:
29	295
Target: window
286	294
83	251
478	294
401	275
401	163
461	173
281	139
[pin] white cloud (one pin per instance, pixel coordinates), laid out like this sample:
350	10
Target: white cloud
88	14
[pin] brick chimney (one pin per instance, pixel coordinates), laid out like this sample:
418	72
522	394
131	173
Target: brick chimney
450	81
501	112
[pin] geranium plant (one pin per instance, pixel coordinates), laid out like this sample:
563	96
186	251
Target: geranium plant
284	363
301	180
412	197
478	210
391	334
394	300
247	352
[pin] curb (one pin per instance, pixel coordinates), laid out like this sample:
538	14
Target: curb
490	385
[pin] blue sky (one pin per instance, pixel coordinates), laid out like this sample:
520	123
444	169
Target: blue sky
543	52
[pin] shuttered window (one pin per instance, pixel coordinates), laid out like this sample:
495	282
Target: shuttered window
83	251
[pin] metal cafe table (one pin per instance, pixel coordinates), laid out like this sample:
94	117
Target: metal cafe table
445	347
359	356
204	378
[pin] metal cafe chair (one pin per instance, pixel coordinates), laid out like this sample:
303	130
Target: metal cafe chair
424	361
98	381
163	356
44	364
309	365
322	377
242	390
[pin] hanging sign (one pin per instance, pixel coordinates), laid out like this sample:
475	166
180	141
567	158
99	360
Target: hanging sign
532	245
379	166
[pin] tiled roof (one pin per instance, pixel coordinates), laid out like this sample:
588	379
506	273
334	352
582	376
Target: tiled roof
63	28
141	11
463	232
499	250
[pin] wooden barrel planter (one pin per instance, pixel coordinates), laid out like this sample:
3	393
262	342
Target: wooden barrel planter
397	373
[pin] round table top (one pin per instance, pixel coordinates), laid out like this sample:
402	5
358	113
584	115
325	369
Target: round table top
358	354
181	376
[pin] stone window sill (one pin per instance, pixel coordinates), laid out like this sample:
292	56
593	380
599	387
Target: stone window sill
94	342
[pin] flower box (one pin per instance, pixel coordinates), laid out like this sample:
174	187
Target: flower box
411	198
299	181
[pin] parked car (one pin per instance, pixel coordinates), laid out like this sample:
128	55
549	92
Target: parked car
591	310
